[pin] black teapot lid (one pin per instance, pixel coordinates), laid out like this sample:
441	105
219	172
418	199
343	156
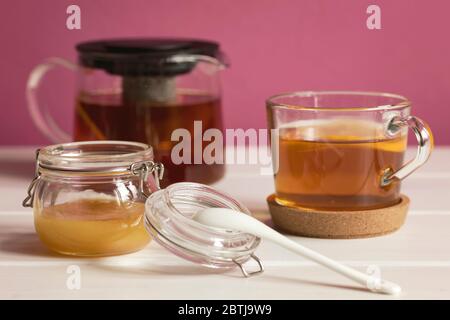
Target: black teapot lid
143	56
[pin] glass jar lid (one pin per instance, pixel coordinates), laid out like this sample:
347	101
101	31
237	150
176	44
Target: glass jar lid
168	217
94	156
98	158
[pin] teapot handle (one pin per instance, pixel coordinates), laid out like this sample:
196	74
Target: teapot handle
41	116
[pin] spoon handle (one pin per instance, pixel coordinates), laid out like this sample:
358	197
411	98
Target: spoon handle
234	220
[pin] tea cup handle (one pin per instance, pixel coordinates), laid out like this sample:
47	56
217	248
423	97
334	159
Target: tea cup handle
425	146
41	116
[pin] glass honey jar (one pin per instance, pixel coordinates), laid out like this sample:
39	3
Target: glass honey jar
103	198
88	197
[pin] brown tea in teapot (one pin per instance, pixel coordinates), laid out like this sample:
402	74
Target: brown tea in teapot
108	116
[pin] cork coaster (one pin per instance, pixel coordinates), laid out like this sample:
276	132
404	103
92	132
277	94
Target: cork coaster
338	224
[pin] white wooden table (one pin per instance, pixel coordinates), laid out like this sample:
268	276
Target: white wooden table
417	256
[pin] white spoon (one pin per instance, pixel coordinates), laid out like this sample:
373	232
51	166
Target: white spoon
235	220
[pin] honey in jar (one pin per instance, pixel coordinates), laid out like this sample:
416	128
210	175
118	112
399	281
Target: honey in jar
92	227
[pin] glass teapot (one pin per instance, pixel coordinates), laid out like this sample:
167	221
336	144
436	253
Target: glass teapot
143	90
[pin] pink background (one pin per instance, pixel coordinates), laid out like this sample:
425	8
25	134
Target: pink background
274	46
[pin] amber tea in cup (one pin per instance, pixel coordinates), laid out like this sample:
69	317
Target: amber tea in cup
343	150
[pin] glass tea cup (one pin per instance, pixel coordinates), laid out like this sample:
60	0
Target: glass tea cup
341	150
